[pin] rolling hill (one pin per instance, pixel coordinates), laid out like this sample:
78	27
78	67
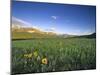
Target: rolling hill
93	35
20	30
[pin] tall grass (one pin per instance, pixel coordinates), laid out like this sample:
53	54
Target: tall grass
61	54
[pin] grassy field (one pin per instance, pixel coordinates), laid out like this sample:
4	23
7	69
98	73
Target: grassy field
52	54
26	35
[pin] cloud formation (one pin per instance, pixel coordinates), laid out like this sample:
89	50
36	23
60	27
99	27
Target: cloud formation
54	17
20	21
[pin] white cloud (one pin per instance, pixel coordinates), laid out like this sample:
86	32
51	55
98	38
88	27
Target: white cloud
20	21
80	32
53	29
54	17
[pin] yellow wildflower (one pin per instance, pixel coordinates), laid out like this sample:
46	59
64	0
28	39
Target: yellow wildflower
44	61
35	54
28	55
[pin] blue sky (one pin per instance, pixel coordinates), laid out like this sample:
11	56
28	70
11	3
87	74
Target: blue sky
61	18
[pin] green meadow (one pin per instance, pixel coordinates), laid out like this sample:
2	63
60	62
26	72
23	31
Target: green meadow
53	54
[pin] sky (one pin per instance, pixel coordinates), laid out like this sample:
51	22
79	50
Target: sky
60	18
